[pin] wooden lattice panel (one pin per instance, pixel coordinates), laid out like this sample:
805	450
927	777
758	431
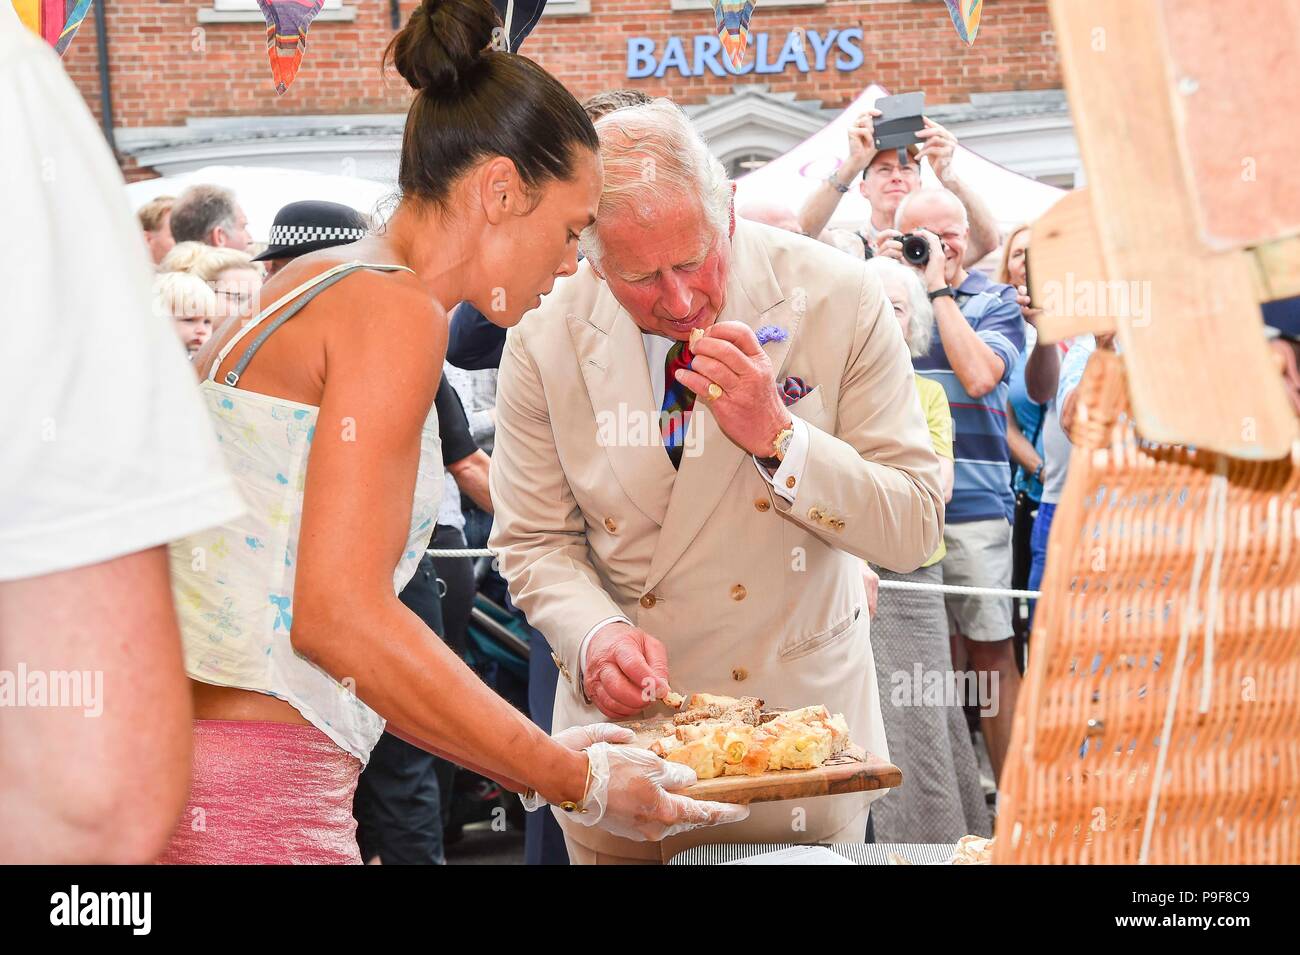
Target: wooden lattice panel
1120	658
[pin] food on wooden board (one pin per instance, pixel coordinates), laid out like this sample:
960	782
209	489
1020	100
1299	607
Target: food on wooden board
725	736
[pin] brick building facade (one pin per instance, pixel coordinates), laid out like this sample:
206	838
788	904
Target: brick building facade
190	83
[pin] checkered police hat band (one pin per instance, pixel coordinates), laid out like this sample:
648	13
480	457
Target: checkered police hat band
290	235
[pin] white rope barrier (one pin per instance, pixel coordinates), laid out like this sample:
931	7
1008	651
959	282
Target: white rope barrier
884	584
957	589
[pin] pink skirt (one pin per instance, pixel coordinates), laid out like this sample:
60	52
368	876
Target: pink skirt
267	793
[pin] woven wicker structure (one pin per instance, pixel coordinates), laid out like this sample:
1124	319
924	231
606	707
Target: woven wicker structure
1160	717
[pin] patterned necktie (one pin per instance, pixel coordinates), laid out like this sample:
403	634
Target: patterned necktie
675	414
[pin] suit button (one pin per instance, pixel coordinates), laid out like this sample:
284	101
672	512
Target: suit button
610	525
738	592
648	601
789	482
815	514
739	674
761	504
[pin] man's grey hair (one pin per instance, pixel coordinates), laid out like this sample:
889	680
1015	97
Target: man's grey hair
928	194
200	209
653	157
920	328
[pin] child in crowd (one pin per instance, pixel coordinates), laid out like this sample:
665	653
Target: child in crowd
191	305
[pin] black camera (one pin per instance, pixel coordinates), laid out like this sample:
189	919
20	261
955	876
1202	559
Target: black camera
916	249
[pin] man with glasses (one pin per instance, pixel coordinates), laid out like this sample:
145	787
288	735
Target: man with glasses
886	182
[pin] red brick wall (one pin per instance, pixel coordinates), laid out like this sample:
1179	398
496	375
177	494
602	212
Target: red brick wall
907	45
160	78
165	70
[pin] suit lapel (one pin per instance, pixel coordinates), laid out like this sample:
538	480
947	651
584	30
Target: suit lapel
612	360
710	460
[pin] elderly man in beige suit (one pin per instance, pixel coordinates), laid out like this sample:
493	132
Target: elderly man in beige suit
712	541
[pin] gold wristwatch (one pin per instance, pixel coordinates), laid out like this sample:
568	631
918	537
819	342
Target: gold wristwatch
780	444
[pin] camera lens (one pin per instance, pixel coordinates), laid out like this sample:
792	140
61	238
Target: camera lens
915	249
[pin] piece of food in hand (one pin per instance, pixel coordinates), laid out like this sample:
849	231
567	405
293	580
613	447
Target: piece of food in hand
675	700
696	335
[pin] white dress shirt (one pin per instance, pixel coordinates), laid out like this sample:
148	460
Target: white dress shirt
792	465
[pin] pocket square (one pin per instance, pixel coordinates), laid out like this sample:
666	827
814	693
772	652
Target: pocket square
792	389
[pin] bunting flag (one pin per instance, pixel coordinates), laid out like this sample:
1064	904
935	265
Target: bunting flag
55	21
732	18
286	36
965	17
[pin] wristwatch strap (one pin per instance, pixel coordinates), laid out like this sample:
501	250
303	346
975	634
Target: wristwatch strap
946	291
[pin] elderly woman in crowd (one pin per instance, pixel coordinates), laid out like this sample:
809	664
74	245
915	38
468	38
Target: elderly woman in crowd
928	738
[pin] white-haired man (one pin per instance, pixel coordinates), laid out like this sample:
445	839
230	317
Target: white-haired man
637	524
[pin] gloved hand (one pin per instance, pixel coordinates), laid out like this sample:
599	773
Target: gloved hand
629	796
579	738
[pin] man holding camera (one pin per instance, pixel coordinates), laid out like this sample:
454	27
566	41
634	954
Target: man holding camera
981	333
886	182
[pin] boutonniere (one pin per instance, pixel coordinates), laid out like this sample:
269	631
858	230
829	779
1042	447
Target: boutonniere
771	333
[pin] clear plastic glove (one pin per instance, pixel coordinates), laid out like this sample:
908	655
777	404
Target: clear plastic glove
629	796
579	738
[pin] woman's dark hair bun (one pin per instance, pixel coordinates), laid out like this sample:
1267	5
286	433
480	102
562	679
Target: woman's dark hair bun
476	101
440	46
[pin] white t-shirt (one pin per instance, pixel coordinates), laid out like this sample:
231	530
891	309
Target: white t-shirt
105	448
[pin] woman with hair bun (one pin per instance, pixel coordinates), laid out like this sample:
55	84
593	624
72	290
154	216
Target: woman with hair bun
297	647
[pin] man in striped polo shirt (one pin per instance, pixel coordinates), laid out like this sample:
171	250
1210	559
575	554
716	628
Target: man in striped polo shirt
981	333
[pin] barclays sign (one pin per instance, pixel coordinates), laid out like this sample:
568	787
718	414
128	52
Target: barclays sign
806	50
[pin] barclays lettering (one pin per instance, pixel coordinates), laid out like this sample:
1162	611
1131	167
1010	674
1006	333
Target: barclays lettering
806	50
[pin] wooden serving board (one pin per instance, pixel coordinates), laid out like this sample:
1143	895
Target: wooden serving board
852	771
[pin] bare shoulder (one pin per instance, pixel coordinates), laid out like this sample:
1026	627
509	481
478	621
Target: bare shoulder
368	304
370	323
